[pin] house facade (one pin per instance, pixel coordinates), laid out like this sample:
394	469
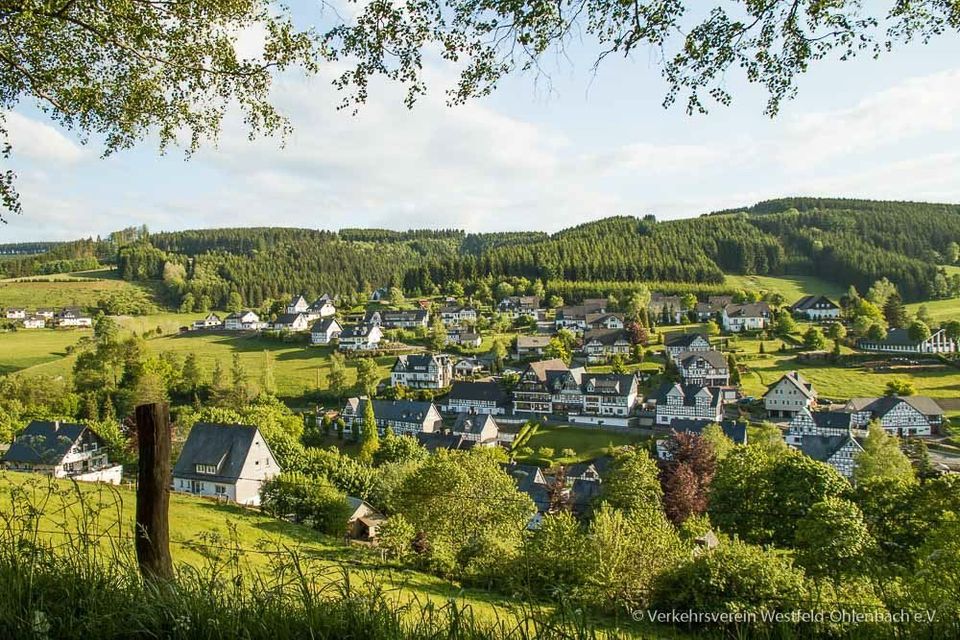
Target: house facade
422	371
408	319
605	321
242	321
458	314
752	316
34	322
703	368
531	346
687	402
838	451
534	391
609	394
476	397
788	395
210	321
62	450
600	345
481	428
225	461
515	306
901	416
325	331
71	317
15	313
361	337
899	341
816	308
292	322
404	417
678	343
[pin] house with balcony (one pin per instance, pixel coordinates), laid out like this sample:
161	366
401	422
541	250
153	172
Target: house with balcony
703	368
404	417
609	394
62	450
677	343
476	397
687	402
422	371
788	395
752	316
600	345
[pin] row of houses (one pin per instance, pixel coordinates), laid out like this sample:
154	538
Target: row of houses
42	318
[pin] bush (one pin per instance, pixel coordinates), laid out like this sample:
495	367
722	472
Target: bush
306	500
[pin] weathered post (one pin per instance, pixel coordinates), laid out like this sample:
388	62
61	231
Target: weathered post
153	492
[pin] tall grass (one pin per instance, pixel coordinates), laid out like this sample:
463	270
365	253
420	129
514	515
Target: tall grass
78	580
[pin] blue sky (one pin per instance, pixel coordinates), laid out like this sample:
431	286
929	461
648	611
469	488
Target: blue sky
528	157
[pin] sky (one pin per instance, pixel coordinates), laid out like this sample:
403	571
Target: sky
535	155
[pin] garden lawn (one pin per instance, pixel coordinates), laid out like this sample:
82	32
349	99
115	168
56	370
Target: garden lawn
31	347
588	443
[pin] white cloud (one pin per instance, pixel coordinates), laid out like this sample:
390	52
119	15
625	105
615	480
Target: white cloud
39	140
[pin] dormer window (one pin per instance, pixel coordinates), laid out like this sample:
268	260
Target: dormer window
209	469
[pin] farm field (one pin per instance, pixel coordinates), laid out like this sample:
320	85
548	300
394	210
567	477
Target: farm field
32	347
790	287
81	289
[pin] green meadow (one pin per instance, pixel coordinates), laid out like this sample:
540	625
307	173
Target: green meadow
791	288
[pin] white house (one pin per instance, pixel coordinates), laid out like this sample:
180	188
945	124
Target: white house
63	450
677	343
599	345
899	341
15	313
516	306
422	371
297	304
70	317
34	322
361	337
819	423
211	321
816	308
456	335
407	319
604	321
745	317
228	461
477	427
242	320
788	395
322	307
458	314
898	415
292	322
324	331
467	367
705	368
476	397
688	402
609	394
531	345
404	417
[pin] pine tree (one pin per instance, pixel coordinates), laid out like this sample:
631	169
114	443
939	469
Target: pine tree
268	384
240	392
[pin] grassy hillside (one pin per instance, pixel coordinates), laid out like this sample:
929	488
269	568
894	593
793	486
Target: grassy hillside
199	527
81	289
31	347
792	288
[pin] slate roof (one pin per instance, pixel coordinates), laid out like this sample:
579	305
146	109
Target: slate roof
808	302
683	339
419	361
288	318
601	465
582	495
44	442
323	325
597	318
357	331
225	446
395	410
748	310
798	381
613	384
822	448
487	391
473	423
437	441
881	406
714	358
831	419
605	336
689	391
736	431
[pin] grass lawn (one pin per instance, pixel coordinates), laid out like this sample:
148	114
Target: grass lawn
588	443
791	288
31	347
939	310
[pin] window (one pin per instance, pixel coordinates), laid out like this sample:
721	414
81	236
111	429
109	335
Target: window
220	490
210	469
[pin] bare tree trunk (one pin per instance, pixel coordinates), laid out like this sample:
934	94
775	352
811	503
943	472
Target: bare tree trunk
153	492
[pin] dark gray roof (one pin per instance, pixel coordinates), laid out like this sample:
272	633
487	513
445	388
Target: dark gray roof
684	339
419	361
748	310
822	448
472	423
44	442
323	325
881	406
689	391
397	410
224	445
831	419
895	337
288	318
437	441
613	384
488	391
582	495
714	358
357	331
736	431
600	465
809	302
605	336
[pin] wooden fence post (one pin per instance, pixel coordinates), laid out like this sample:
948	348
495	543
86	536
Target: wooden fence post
153	492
